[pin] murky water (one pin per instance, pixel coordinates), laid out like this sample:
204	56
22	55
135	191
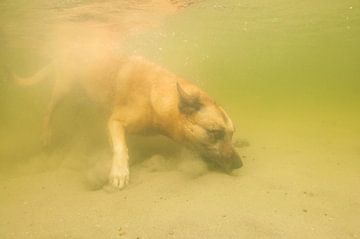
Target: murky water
286	71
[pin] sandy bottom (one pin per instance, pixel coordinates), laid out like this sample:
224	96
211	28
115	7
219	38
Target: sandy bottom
300	180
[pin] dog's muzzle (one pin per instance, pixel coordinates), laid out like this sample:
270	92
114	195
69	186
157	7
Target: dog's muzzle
226	163
236	162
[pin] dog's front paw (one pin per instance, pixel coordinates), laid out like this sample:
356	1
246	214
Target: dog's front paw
119	177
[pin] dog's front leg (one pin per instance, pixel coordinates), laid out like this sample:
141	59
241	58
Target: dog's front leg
119	174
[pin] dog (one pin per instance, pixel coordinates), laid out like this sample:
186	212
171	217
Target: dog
143	97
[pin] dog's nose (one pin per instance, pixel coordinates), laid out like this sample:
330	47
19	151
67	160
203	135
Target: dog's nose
237	162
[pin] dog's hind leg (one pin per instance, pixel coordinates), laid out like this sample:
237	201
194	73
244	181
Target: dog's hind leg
59	91
119	174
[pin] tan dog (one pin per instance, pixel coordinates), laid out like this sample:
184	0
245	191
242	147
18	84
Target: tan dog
143	97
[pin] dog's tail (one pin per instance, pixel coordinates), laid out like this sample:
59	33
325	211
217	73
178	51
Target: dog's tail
32	80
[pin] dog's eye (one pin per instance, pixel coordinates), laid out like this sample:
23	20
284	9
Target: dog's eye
216	134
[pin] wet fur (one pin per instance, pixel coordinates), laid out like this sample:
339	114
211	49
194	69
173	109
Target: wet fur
142	97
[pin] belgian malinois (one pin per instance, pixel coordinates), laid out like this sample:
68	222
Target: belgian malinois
142	96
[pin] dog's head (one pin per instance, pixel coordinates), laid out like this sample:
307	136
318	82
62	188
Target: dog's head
207	128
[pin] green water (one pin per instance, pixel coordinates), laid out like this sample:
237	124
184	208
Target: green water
269	54
287	60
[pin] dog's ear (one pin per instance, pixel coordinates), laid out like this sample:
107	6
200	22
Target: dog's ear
188	103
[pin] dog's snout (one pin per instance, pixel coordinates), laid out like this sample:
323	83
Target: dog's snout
228	161
237	162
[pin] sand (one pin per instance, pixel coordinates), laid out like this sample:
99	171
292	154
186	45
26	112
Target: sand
299	182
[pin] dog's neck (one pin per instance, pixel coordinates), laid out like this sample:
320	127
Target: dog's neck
167	116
